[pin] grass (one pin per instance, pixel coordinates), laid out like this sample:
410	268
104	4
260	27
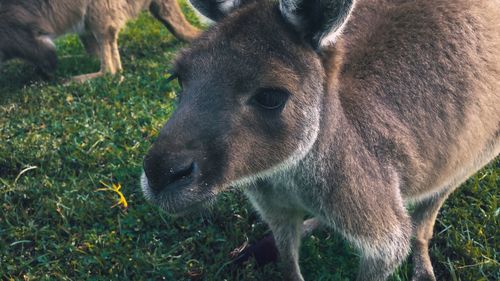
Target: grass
60	144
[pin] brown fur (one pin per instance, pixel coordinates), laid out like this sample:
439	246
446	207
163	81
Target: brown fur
399	111
27	28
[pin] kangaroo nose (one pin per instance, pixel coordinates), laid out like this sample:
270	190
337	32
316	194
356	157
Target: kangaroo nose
161	175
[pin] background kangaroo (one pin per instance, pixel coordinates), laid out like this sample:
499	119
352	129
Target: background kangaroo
27	28
349	111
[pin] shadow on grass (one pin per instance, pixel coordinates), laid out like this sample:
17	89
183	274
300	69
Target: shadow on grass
16	75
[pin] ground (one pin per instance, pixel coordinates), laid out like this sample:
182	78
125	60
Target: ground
62	148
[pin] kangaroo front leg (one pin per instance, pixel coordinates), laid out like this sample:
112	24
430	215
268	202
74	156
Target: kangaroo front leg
287	232
423	217
384	248
378	266
43	53
382	255
377	223
286	225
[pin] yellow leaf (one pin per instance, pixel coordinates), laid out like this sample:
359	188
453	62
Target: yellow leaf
115	188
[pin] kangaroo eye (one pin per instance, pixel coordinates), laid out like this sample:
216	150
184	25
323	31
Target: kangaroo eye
270	99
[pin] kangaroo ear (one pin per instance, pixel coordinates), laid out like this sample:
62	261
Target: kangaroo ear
319	21
217	9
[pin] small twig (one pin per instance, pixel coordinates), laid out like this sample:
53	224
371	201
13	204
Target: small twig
24	171
474	265
20	242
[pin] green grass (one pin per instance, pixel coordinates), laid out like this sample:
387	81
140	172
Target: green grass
55	225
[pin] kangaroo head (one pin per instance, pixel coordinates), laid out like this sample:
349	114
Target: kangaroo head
252	88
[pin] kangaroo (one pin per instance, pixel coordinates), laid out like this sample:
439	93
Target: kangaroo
349	111
27	28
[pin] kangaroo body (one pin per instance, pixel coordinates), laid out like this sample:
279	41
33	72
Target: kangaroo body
386	104
27	28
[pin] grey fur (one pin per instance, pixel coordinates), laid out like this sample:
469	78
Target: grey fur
399	111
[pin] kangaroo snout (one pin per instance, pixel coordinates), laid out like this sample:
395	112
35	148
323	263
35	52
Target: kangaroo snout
168	172
176	177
